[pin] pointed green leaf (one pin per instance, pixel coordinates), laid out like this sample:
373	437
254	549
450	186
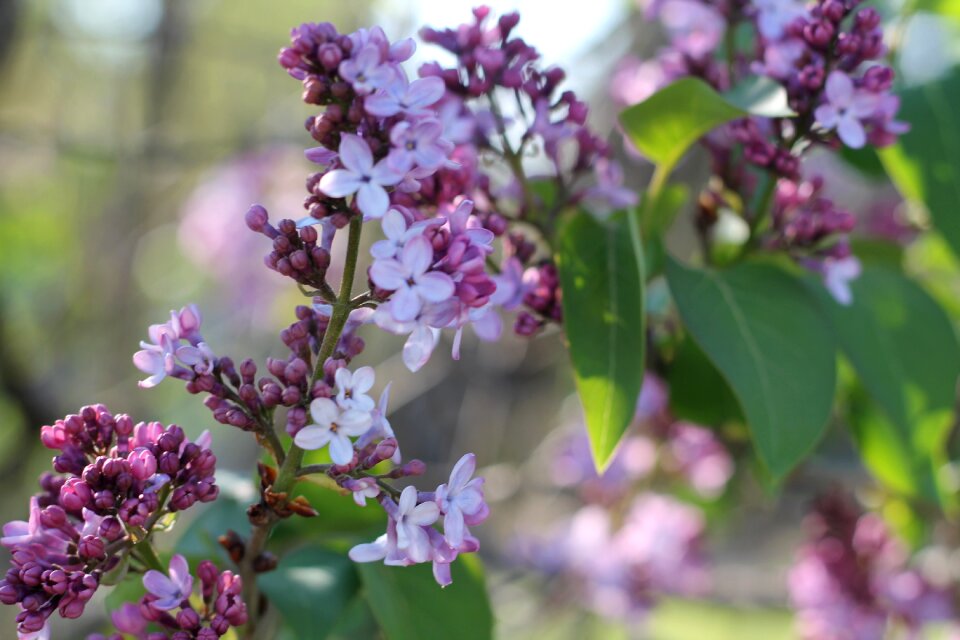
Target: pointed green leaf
905	352
925	164
312	588
762	330
603	318
409	605
667	123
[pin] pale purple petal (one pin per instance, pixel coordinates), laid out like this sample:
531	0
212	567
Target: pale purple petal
389	274
405	304
180	574
851	131
313	437
324	411
418	544
839	89
424	514
453	527
160	585
382	104
340	183
363	379
408	500
385	174
320	155
462	472
394	225
383	249
355	154
341	449
370	551
419	346
417	255
488	326
827	116
372	200
424	92
435	286
353	422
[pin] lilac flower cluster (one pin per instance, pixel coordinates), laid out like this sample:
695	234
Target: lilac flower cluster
167	605
852	578
619	571
411	537
114	482
656	443
827	54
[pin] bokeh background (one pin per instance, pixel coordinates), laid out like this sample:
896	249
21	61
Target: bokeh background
134	134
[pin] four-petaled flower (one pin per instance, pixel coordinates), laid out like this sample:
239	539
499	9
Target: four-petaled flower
353	387
403	96
359	175
170	590
844	109
419	144
335	427
411	519
461	500
365	71
410	279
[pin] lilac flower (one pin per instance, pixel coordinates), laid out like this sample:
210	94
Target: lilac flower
335	427
837	276
461	500
360	176
353	387
397	231
365	72
363	488
403	96
410	280
128	619
418	144
380	427
156	358
694	28
320	155
170	590
773	16
510	286
845	109
19	533
411	518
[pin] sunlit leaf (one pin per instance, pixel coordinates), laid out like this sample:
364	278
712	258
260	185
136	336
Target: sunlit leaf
603	318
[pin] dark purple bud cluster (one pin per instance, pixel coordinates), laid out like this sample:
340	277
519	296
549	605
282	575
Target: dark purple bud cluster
115	481
806	223
170	614
854	574
296	252
542	298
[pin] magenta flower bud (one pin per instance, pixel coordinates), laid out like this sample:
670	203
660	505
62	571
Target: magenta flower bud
31	574
75	495
257	218
384	451
169	463
296	371
819	34
91	548
143	464
188	619
291	396
208	574
104	500
111	529
53	517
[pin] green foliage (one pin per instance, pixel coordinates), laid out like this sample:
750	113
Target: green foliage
199	539
925	165
698	391
906	355
760	327
314	589
410	606
667	123
603	316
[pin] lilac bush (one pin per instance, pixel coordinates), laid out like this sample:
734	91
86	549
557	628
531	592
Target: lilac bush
476	192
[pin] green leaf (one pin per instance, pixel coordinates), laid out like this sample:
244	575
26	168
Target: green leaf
410	605
760	96
761	328
312	588
697	390
667	123
603	317
925	165
905	352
